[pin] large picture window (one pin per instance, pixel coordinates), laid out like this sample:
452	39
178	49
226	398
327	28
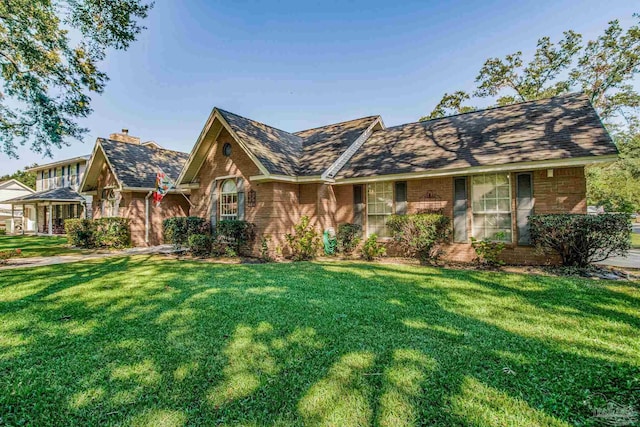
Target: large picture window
491	205
228	200
379	208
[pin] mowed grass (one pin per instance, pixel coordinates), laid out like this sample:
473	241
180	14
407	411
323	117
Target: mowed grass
635	240
152	341
36	246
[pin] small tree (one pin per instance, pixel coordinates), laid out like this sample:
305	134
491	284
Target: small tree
371	249
348	236
304	242
582	239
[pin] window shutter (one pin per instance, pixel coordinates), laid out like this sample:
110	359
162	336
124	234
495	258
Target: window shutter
401	198
213	214
241	203
524	188
358	204
460	210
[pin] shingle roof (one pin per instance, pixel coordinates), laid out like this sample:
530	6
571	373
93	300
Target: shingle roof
56	194
307	152
276	149
136	165
556	128
323	145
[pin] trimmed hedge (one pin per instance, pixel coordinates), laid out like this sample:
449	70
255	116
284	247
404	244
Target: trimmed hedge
200	245
419	235
98	233
177	230
236	235
582	239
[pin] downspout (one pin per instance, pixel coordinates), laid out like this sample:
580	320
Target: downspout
146	217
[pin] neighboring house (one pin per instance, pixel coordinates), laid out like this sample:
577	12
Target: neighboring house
56	198
11	216
487	170
121	177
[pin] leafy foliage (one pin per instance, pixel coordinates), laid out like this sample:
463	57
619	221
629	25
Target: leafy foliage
8	254
237	235
488	251
304	243
582	239
349	236
371	249
200	245
419	235
603	68
265	252
47	79
98	233
27	178
178	229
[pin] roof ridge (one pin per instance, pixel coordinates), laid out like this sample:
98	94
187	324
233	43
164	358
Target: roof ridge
255	121
335	124
496	107
145	146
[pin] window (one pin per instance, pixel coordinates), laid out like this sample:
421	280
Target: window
229	200
110	203
379	207
226	149
491	205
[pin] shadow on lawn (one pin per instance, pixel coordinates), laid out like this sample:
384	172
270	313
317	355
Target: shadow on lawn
143	341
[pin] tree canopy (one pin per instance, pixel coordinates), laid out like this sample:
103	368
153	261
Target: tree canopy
25	177
50	52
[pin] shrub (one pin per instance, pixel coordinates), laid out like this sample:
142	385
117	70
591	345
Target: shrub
372	249
236	235
178	229
80	232
488	251
265	253
348	236
113	232
6	255
200	245
581	239
419	235
3	232
304	242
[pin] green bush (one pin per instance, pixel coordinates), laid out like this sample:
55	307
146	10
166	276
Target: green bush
3	232
488	251
10	253
371	249
420	235
349	236
236	236
80	232
265	252
178	229
98	233
112	232
581	239
200	245
304	242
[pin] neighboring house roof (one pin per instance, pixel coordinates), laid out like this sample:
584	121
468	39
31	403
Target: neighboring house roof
134	165
64	194
78	159
15	182
557	128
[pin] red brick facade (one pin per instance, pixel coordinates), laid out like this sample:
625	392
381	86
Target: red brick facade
280	205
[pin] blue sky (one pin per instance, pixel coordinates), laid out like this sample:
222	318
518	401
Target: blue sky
296	65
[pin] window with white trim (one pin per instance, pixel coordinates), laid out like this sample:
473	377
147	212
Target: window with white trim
379	208
491	206
228	200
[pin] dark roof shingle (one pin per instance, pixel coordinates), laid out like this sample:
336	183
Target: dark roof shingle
556	128
55	194
136	165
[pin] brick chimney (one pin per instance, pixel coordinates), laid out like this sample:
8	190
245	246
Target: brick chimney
125	137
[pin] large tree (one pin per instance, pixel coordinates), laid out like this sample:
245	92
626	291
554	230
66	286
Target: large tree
24	176
604	69
50	52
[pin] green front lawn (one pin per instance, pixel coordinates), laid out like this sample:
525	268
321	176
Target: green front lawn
151	341
635	240
37	245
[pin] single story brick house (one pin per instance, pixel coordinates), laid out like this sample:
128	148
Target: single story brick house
487	170
121	177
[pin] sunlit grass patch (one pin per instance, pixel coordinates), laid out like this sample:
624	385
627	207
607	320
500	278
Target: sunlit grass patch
152	341
36	246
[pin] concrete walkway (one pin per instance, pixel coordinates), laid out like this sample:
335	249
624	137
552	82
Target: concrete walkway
65	259
632	260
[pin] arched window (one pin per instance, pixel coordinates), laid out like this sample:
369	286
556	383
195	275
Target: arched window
228	200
